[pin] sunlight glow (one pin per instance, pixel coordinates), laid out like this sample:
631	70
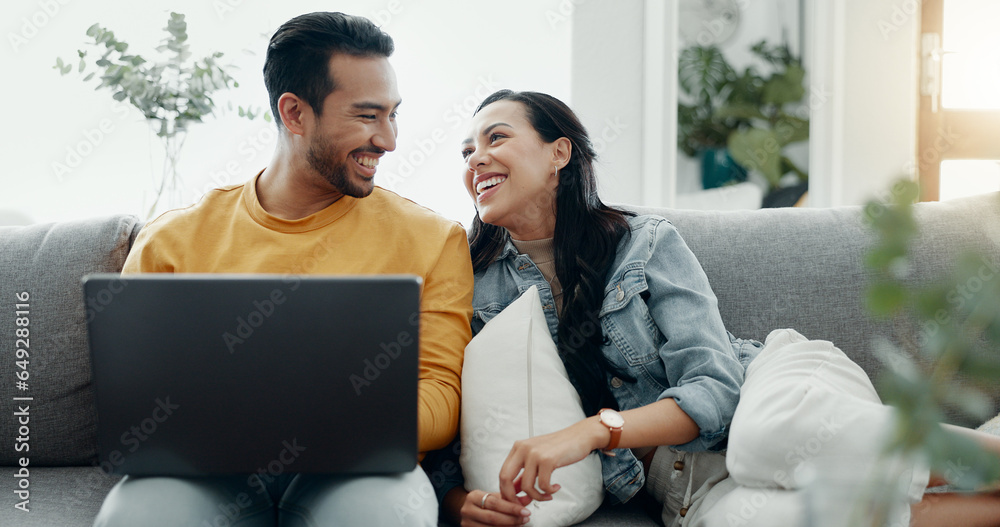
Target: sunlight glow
969	178
971	64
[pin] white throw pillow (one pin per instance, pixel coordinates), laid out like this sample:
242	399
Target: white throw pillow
514	386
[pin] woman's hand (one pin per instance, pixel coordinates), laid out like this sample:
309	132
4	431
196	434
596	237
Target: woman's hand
482	508
539	456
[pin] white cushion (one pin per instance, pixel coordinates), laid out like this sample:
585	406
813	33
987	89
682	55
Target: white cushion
514	386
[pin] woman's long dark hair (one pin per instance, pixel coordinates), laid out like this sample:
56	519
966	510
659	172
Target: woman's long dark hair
586	238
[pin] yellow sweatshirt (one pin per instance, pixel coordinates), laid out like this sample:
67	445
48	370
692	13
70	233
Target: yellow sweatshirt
229	232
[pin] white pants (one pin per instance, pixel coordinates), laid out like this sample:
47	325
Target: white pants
805	406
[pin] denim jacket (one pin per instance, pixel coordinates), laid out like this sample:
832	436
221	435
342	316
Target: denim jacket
661	325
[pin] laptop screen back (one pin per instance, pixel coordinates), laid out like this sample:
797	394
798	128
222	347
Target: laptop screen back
231	374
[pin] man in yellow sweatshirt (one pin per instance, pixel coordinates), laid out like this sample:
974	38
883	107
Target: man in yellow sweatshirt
315	209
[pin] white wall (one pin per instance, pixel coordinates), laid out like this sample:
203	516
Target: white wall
607	90
864	98
624	87
880	74
449	55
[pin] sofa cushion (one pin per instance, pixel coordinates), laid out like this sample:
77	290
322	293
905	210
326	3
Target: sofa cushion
48	261
59	497
802	268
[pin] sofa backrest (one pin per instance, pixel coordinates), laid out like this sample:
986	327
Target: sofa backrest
803	268
48	261
798	268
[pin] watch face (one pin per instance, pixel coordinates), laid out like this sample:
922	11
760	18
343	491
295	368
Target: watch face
612	418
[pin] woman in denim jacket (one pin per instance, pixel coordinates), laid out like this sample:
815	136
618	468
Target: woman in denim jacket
638	327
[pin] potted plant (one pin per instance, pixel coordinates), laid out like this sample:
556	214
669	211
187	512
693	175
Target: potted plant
743	118
171	93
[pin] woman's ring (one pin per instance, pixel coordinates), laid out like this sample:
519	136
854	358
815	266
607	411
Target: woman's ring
482	503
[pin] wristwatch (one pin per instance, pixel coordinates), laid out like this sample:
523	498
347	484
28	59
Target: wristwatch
614	421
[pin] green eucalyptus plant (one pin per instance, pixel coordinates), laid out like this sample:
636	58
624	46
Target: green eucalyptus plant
172	93
748	112
957	353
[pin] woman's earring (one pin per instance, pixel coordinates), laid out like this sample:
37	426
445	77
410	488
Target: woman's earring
556	171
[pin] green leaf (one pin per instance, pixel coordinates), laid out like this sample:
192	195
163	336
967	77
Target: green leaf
881	257
932	303
177	27
980	366
89	76
739	111
703	72
242	113
886	298
267	117
759	150
785	87
59	62
746	88
93	30
119	96
66	69
791	129
81	66
894	223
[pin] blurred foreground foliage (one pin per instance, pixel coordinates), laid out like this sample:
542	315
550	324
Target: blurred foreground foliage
957	349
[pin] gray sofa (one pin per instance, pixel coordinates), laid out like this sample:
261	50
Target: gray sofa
799	268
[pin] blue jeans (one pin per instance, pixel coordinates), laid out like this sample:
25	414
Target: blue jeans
288	500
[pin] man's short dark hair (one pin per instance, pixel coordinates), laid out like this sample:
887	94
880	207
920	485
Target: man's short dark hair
299	53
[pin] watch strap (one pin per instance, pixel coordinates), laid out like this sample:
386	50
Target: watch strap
616	436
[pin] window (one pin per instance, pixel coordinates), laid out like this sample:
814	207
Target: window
959	122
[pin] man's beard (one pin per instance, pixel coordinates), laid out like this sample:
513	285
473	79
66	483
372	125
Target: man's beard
322	158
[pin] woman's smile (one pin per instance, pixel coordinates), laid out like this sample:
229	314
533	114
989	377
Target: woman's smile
487	185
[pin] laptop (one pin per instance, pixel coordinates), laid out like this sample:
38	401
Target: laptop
213	374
